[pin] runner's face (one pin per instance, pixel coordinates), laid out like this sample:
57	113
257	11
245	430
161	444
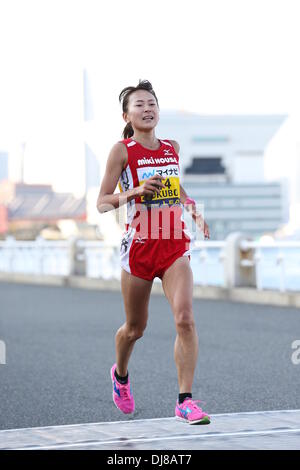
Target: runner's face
143	112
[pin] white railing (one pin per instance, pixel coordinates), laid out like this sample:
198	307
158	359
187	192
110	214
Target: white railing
100	259
205	266
35	257
279	259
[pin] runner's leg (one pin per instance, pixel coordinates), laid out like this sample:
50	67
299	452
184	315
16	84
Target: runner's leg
177	283
136	295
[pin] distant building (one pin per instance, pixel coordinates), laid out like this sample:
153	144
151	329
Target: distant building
222	167
221	147
282	164
251	208
25	206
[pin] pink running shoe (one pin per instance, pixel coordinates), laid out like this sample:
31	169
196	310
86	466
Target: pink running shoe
122	395
191	413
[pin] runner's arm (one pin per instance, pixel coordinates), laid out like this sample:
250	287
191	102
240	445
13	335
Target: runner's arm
107	200
183	195
190	203
191	207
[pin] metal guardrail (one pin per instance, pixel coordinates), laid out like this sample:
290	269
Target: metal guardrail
101	259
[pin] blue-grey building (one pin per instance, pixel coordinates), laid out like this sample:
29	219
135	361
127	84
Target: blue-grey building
222	167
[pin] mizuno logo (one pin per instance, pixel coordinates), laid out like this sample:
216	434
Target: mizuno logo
140	240
168	152
116	389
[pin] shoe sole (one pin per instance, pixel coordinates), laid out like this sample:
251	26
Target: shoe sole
205	420
112	380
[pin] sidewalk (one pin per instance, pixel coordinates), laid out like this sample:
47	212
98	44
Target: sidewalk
239	294
258	430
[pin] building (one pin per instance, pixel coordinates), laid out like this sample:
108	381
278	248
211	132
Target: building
282	164
222	167
28	208
251	208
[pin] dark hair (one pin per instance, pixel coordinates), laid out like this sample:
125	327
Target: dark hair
124	99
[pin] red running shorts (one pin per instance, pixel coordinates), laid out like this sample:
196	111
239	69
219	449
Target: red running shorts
149	258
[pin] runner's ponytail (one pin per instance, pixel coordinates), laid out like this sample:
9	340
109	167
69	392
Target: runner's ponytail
128	131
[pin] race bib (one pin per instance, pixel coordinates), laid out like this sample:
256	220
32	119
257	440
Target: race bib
169	195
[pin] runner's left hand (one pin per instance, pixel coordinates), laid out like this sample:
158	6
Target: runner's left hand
202	226
206	230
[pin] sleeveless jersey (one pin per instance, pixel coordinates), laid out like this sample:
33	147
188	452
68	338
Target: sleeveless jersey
162	212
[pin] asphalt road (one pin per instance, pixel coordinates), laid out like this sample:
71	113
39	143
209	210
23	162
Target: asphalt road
60	347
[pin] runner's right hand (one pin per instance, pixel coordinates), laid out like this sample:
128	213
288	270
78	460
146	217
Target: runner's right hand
151	186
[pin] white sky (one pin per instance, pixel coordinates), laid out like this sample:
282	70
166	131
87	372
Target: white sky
211	56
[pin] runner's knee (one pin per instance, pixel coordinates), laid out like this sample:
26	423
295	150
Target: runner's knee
135	332
184	320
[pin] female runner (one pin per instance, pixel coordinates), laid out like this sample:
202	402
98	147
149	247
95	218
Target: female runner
155	244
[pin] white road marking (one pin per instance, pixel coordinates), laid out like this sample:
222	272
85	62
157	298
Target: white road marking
142	439
61	426
169	438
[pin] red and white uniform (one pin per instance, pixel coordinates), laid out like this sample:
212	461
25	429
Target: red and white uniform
155	234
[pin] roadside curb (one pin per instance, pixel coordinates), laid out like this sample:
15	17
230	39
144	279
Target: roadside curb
238	294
